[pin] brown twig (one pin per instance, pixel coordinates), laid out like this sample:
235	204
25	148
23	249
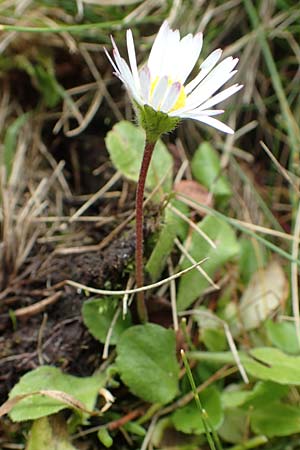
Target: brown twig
115	424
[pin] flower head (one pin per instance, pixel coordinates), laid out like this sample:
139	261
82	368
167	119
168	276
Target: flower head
160	89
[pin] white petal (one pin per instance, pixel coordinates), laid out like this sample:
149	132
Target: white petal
208	112
219	76
126	76
159	92
124	72
187	56
164	52
169	61
171	97
116	54
122	67
195	112
145	83
118	59
111	60
212	122
155	57
132	58
115	46
207	65
220	97
211	60
131	89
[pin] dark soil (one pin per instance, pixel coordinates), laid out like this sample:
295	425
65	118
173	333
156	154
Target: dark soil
57	335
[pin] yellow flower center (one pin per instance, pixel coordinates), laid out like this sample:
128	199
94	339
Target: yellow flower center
180	102
153	86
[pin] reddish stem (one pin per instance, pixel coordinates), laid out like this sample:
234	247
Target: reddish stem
139	199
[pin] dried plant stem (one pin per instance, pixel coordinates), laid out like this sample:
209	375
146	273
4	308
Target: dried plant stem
129	291
139	266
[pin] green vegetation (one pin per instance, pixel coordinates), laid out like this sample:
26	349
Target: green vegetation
218	364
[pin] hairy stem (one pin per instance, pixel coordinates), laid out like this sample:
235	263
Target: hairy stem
139	199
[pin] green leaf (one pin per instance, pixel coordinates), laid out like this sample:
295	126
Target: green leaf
272	364
232	398
251	258
264	393
210	330
105	438
163	247
214	339
147	362
283	335
277	419
206	169
235	426
49	433
97	317
265	363
125	144
135	428
172	227
182	227
188	419
192	284
50	378
10	141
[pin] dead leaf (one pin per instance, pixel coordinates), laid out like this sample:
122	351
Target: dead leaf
195	191
266	291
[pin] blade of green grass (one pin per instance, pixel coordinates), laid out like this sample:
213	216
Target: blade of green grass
211	435
109	25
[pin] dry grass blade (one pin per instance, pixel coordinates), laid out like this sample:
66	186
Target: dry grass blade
126	296
147	438
61	396
173	296
114	233
192	225
38	307
109	332
133	291
264	230
96	196
192	260
281	169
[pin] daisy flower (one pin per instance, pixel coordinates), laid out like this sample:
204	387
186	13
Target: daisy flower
162	96
161	84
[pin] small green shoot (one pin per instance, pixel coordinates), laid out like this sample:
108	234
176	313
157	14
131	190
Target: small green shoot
211	435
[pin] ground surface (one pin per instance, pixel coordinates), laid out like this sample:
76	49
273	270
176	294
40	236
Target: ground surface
62	218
